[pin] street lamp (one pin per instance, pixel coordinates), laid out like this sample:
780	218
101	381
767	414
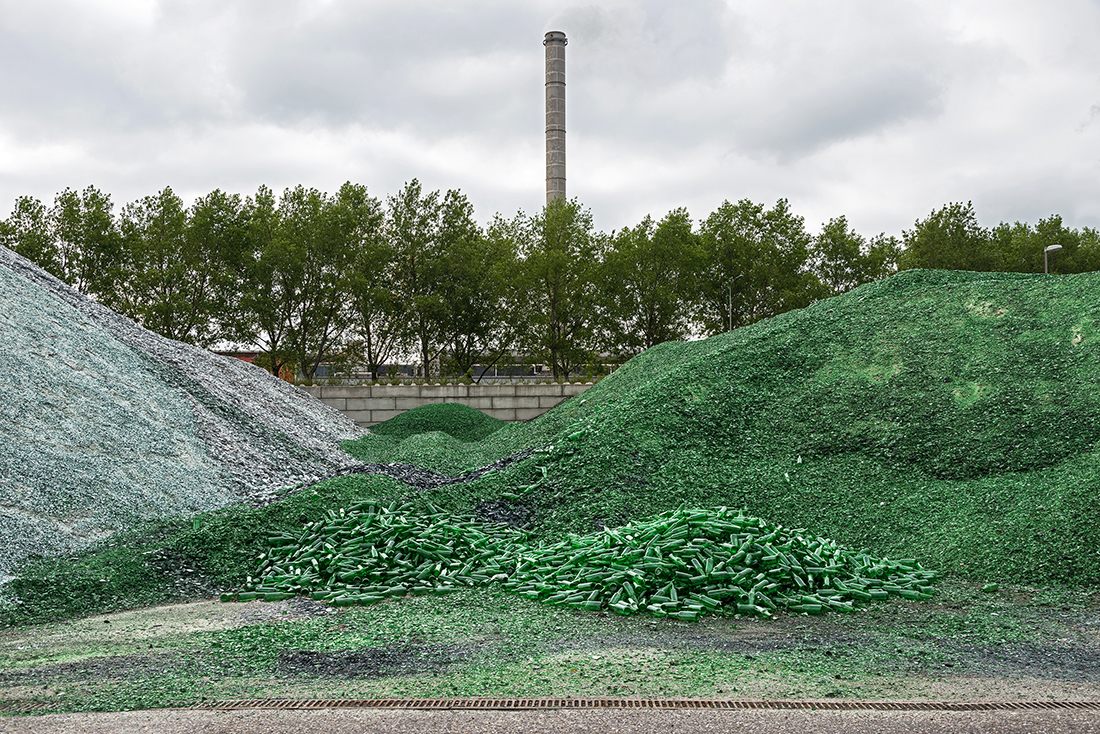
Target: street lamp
1046	253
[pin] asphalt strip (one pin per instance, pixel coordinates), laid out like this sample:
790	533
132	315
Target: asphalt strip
636	721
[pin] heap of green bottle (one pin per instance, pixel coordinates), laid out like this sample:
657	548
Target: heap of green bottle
681	564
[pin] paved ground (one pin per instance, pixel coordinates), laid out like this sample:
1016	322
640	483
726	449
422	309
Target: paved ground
346	721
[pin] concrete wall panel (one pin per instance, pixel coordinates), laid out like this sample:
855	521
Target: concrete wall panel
368	405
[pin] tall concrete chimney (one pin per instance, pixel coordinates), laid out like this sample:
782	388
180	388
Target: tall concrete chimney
555	115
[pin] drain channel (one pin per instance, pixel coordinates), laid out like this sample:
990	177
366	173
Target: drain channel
544	704
528	704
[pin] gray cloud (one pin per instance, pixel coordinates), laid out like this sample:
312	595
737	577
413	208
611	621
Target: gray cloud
877	110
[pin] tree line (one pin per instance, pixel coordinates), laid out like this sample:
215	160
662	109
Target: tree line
311	278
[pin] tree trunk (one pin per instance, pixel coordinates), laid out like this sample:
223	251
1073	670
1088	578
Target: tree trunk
368	349
424	354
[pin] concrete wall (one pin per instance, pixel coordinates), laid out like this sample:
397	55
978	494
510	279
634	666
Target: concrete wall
371	404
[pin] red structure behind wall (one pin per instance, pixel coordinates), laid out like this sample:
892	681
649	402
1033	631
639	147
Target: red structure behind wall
285	372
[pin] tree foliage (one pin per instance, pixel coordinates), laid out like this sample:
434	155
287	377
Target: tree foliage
175	282
1018	247
950	238
268	273
754	265
310	278
75	239
478	316
378	311
27	231
843	259
559	274
320	236
414	227
650	276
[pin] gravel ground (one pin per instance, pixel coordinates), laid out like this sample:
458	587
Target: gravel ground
607	720
103	422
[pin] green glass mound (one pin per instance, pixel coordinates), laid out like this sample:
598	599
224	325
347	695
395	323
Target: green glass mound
456	420
682	564
947	416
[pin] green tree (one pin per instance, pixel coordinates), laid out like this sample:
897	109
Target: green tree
27	231
881	257
218	229
322	236
87	240
754	265
649	281
1053	231
843	259
171	282
479	268
949	238
413	226
559	274
378	314
76	239
1086	257
270	275
1018	247
1014	248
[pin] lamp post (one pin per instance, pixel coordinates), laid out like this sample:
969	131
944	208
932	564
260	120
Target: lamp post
1046	254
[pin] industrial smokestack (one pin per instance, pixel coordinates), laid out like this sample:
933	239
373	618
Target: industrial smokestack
555	115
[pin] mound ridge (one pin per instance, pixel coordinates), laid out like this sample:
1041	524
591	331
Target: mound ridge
105	423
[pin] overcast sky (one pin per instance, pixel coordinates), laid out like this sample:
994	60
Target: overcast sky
879	110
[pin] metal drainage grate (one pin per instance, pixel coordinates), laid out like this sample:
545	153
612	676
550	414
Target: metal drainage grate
529	704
